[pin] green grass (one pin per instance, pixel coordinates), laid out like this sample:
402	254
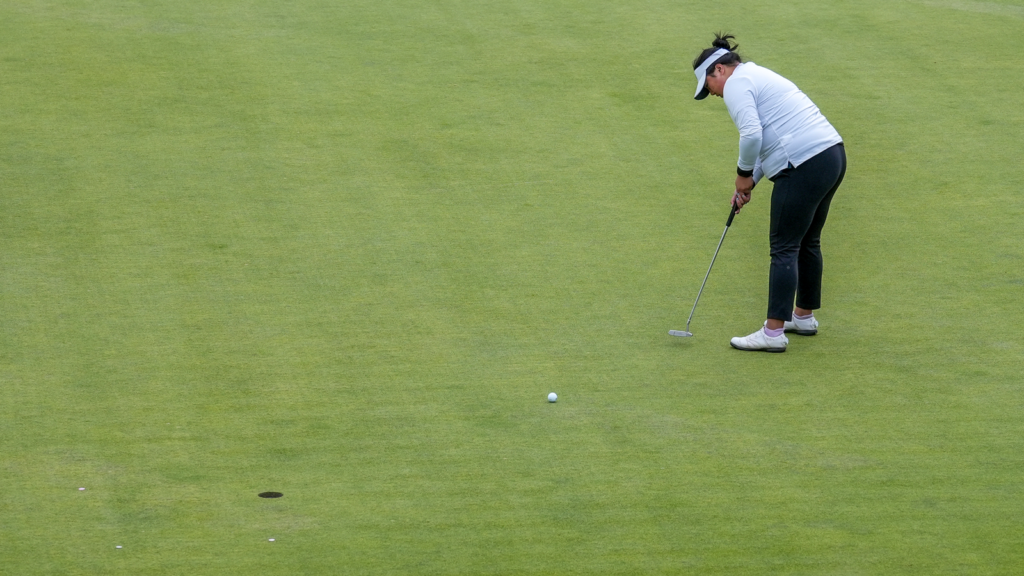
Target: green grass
343	250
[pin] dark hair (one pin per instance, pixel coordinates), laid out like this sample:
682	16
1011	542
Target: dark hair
721	41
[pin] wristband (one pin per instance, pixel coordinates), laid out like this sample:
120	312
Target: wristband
744	173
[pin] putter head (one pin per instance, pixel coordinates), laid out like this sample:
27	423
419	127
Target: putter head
680	333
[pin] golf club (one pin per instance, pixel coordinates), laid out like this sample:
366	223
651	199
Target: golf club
686	333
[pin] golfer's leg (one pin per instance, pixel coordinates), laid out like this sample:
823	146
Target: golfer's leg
787	231
810	263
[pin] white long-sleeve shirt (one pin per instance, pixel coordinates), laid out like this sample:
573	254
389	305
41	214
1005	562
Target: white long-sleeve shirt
778	124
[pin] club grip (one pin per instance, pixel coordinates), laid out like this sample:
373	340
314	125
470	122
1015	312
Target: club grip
732	214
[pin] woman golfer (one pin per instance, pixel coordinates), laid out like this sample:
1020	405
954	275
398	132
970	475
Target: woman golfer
782	136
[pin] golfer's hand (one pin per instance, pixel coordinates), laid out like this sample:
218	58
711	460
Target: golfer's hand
743	188
739	199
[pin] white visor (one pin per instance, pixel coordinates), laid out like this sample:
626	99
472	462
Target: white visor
701	73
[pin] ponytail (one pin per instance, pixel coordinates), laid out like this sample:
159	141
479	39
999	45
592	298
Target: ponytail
721	41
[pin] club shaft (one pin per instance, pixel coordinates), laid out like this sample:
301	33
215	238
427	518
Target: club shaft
701	291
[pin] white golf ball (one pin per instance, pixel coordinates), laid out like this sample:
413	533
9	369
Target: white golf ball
552	397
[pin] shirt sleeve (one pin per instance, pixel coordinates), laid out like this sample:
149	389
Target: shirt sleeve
740	100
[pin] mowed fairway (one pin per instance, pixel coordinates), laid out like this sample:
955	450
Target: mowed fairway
344	250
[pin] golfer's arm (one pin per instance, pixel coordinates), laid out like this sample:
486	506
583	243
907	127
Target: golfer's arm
750	147
739	99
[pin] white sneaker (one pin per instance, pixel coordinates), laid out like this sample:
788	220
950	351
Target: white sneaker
761	341
808	327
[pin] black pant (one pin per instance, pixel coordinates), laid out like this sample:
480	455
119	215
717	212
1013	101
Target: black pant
800	201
